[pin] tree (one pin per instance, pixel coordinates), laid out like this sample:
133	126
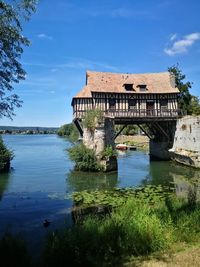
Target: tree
69	130
185	96
195	106
12	42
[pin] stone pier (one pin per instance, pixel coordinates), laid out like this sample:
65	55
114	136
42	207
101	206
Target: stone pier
98	139
186	147
163	141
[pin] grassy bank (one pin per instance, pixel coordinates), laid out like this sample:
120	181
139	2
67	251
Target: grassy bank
133	229
140	141
141	226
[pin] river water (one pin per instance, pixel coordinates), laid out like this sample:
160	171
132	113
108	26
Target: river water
42	178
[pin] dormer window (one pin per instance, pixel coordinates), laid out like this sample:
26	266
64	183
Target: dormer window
128	86
142	87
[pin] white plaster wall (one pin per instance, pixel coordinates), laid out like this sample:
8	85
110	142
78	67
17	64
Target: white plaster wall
186	147
187	136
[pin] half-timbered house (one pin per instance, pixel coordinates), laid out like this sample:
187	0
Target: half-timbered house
128	96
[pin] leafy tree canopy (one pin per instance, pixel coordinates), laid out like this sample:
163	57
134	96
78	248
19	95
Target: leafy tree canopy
187	102
12	14
195	106
185	96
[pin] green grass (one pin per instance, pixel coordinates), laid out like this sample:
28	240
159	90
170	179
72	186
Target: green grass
136	227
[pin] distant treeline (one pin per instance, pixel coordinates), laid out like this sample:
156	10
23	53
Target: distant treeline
27	130
69	130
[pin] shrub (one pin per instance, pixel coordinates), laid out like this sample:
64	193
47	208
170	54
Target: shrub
5	156
84	158
92	117
109	152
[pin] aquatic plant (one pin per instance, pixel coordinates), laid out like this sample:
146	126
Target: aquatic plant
117	196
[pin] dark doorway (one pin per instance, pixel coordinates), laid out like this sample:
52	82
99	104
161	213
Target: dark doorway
150	108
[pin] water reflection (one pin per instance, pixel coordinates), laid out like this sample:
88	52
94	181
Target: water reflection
185	180
4	183
78	181
187	183
159	174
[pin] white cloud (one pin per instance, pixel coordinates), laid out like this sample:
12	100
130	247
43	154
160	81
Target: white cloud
182	45
75	63
173	37
44	36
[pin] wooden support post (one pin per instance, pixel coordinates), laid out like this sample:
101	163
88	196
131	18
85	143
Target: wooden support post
117	134
78	126
162	130
150	137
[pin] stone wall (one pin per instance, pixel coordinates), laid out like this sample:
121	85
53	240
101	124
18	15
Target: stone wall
163	140
159	150
186	147
98	139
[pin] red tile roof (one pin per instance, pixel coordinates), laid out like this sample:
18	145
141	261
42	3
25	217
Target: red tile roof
162	82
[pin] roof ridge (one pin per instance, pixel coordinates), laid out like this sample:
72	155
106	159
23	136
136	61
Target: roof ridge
122	73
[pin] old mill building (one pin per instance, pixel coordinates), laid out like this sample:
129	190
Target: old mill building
128	96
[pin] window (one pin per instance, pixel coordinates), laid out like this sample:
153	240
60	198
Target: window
163	104
128	86
112	103
131	104
142	87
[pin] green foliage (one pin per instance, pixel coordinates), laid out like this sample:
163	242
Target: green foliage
68	130
92	118
84	158
13	252
118	196
109	152
185	96
12	16
128	130
194	106
5	157
136	226
130	230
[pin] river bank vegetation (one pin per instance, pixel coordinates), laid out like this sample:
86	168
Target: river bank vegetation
141	222
84	158
5	157
68	130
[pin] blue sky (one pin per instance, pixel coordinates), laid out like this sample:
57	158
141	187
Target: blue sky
71	36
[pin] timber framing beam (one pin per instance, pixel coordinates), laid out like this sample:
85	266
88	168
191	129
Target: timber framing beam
156	124
117	134
147	134
78	126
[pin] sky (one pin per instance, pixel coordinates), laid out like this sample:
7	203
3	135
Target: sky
69	37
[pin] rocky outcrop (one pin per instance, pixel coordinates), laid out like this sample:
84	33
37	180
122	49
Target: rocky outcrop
186	146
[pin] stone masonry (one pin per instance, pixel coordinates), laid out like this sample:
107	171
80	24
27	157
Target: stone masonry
98	139
186	147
